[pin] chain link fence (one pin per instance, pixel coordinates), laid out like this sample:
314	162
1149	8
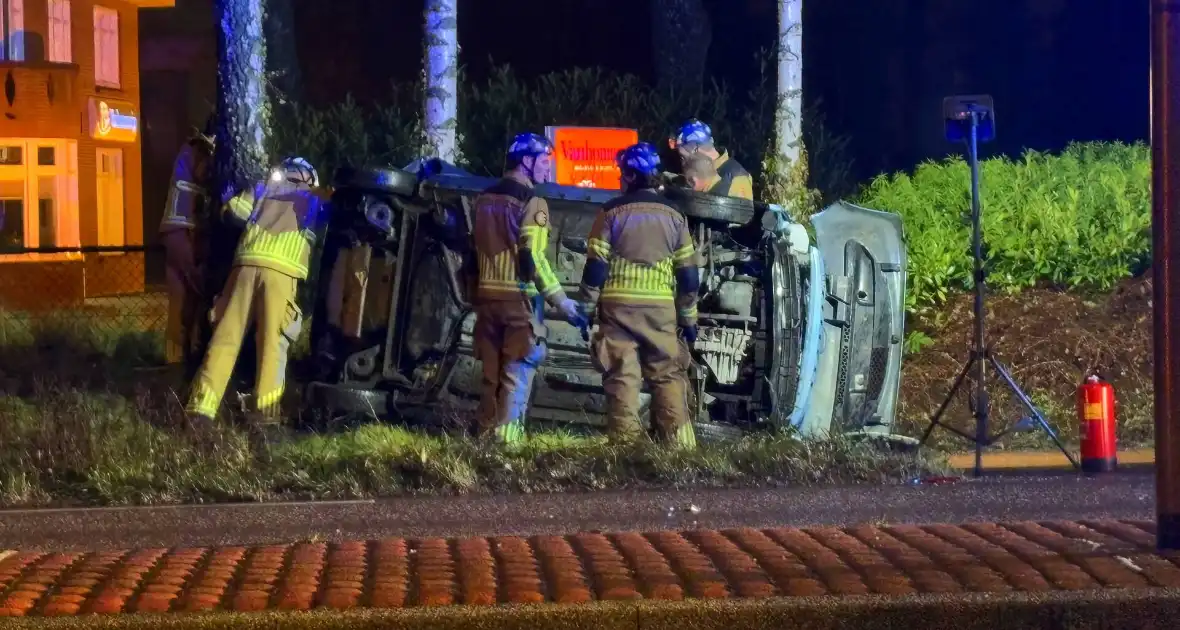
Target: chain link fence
97	295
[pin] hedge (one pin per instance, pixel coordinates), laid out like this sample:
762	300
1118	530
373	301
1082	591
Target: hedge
493	111
1076	220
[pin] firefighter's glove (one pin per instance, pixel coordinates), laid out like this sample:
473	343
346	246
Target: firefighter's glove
572	312
587	321
689	333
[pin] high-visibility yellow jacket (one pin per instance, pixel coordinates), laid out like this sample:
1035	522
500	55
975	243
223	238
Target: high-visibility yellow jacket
640	253
281	221
733	180
511	233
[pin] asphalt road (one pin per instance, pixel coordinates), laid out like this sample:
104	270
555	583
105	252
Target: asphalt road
1125	495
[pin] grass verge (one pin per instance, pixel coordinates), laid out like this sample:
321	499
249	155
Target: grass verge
86	420
77	447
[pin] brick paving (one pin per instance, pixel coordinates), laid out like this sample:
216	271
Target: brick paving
1028	557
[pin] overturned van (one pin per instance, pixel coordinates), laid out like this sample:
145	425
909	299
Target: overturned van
795	332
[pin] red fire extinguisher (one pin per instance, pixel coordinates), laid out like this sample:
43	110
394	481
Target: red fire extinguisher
1096	415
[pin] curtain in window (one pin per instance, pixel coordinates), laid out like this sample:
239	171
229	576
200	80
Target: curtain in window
14	47
106	46
60	39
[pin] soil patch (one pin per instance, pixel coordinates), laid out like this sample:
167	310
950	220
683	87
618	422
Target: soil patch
1049	340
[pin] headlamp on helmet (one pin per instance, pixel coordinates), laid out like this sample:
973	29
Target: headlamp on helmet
296	170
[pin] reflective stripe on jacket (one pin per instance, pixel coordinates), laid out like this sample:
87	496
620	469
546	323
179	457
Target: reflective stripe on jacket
281	222
640	253
184	209
511	234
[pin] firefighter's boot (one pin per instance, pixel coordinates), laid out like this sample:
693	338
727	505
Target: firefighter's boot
516	387
670	417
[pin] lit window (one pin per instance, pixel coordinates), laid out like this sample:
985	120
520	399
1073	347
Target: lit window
14	32
111	208
106	47
12	155
12	214
38	196
60	43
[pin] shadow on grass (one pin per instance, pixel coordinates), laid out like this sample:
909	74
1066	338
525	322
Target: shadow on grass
79	352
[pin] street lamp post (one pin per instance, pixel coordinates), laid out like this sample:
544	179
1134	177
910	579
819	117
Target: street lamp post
1165	230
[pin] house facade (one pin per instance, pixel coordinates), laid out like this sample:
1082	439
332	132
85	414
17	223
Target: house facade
178	70
70	150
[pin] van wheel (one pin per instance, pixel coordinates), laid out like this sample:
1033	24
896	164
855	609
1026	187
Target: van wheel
383	180
712	208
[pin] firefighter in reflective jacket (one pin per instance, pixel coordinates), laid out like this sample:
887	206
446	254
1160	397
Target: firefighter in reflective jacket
511	237
281	217
642	275
733	180
184	232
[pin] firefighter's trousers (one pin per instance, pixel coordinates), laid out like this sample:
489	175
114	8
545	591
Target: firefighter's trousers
634	344
510	343
184	309
263	297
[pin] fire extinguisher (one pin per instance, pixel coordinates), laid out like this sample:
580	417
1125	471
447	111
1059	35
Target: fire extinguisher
1097	424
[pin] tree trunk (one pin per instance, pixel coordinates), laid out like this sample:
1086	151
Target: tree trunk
243	107
681	34
789	119
282	57
442	71
243	129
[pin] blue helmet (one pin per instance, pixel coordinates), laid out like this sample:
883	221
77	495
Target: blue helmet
694	132
529	145
639	159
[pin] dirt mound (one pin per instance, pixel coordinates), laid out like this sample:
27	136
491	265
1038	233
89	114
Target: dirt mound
1049	340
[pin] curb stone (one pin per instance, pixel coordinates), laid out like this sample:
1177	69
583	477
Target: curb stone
1017	460
663	579
1063	610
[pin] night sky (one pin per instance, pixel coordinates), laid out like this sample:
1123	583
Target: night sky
1059	71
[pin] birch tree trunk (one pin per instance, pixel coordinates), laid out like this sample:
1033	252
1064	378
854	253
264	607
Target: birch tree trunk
681	34
441	78
243	129
789	118
243	124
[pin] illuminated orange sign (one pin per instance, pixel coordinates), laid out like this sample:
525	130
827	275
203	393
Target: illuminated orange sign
115	121
585	156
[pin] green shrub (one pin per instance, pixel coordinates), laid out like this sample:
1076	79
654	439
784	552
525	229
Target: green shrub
491	112
346	134
1077	220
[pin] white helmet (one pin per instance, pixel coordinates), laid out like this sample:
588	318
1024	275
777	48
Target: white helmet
297	171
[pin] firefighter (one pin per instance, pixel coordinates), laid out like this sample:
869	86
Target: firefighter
700	173
511	237
696	137
281	217
642	275
183	232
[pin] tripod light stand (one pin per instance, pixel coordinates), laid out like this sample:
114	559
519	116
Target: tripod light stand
972	119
